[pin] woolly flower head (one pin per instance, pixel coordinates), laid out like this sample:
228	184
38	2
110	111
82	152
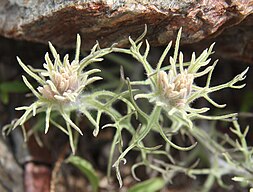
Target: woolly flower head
61	84
175	89
64	84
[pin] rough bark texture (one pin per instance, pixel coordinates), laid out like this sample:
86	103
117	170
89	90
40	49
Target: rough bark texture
112	21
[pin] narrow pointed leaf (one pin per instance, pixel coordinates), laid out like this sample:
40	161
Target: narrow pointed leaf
151	185
86	168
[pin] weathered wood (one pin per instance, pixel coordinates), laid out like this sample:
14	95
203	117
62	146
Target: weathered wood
112	21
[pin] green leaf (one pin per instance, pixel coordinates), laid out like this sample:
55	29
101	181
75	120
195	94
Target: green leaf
86	168
4	97
13	87
247	102
150	185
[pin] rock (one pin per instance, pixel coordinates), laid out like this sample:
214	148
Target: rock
234	44
37	178
11	178
111	21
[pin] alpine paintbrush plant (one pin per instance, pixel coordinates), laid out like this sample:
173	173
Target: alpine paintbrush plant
61	90
60	85
172	89
165	107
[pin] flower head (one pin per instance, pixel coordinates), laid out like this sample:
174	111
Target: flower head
64	84
175	89
61	84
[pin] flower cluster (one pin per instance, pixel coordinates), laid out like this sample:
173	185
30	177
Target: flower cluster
175	90
172	86
60	86
172	90
64	83
60	82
